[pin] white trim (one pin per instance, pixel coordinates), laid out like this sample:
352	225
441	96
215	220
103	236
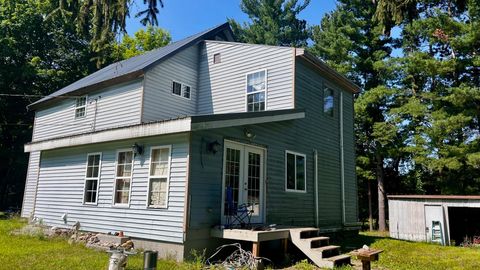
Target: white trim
92	178
342	159
122	205
132	132
304	167
241	147
148	205
79	107
181	89
265	91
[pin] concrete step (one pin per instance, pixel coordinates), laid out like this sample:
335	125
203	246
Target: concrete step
318	241
339	260
327	251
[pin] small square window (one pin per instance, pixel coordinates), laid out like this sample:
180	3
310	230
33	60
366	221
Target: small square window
177	88
186	91
216	58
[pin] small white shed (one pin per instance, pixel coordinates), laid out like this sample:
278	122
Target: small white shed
446	219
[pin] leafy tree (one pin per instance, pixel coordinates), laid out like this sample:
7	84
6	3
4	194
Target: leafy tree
39	55
142	41
273	22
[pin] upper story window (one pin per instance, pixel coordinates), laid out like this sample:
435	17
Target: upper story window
256	91
328	101
181	89
92	177
123	177
159	176
217	58
295	172
81	107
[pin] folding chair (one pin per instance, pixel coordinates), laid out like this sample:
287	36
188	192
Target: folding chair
240	214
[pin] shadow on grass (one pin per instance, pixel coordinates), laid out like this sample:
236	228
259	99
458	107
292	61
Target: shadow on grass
349	241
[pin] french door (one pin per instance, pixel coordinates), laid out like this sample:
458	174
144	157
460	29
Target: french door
243	175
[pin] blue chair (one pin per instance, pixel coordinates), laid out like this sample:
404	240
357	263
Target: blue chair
236	214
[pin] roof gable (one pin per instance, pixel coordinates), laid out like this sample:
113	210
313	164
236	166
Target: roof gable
133	67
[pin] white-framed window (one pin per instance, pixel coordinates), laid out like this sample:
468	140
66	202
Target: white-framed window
159	176
92	178
295	171
80	107
181	89
123	177
256	91
328	101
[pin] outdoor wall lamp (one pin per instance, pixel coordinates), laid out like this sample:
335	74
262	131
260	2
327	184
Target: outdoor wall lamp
249	134
137	149
213	147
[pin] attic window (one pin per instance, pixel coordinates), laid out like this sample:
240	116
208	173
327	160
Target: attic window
80	107
216	58
181	89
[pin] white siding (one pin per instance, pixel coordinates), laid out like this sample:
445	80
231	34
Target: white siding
159	102
222	86
118	105
61	183
30	184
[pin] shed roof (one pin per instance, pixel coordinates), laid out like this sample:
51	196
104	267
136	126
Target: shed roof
133	67
436	197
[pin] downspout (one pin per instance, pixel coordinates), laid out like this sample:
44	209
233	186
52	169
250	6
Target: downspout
342	160
315	157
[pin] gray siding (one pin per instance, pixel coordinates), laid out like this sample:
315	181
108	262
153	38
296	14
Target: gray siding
61	184
159	102
317	131
351	189
222	86
118	105
30	184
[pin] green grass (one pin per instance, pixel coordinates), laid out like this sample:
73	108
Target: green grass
414	255
41	253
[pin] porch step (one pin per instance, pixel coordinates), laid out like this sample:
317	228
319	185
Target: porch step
317	248
339	260
318	241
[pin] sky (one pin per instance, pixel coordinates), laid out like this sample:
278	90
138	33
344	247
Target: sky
183	18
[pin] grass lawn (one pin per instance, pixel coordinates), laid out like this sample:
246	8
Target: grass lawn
30	252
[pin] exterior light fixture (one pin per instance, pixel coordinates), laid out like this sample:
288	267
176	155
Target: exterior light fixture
213	147
137	149
249	134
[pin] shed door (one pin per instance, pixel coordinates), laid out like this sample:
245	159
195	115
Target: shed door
434	224
243	174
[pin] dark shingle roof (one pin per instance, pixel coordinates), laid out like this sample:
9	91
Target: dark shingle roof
133	65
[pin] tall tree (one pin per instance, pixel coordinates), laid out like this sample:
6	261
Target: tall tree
273	22
441	94
351	42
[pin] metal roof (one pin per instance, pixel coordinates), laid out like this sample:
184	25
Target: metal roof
436	197
134	66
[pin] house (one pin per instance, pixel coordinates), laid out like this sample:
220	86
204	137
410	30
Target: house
148	145
442	219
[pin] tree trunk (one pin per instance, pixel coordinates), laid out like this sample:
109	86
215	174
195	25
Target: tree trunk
381	194
370	213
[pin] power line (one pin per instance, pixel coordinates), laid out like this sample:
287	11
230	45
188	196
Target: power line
25	95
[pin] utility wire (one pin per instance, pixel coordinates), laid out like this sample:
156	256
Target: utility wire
25	95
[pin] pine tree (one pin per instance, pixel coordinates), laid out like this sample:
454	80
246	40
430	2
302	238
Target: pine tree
273	22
